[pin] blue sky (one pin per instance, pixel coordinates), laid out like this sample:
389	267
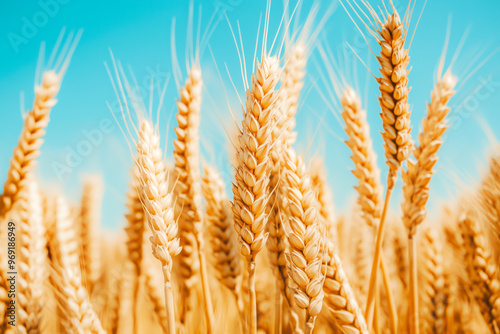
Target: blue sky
139	35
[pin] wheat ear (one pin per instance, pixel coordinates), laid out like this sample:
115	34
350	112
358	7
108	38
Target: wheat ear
323	194
135	237
188	189
366	172
417	177
304	258
90	212
223	237
35	122
481	271
489	204
339	297
28	147
433	295
252	170
63	241
393	85
73	302
158	208
282	134
31	259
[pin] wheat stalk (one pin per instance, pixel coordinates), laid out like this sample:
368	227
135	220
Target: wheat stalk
156	299
223	237
482	272
304	258
433	310
339	297
89	219
158	208
252	173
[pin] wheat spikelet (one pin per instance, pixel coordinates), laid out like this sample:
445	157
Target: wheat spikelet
90	212
433	310
363	156
339	297
304	259
158	208
482	271
361	260
252	173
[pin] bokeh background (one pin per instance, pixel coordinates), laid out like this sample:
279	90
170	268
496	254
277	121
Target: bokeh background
139	35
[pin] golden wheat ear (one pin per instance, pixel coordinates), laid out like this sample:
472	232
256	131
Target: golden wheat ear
89	219
482	271
36	120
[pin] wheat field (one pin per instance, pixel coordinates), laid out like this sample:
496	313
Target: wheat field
263	249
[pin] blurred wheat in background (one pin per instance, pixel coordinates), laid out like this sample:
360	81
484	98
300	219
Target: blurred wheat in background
273	255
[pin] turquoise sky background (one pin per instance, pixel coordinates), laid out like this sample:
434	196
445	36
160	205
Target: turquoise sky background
139	35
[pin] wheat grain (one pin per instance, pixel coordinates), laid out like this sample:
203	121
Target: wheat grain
304	259
482	271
